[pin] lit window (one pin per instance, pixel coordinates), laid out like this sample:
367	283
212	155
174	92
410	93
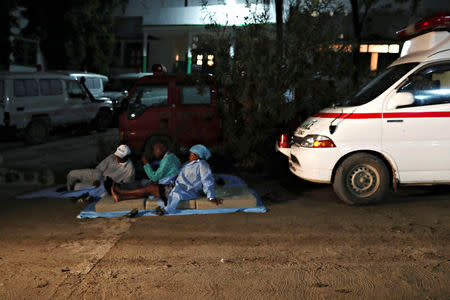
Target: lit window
394	48
363	48
210	60
379	48
199	59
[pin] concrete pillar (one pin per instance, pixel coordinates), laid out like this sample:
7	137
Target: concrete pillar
189	53
144	52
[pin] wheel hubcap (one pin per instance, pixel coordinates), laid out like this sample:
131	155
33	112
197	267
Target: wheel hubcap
363	180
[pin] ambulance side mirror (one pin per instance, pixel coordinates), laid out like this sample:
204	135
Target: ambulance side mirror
400	99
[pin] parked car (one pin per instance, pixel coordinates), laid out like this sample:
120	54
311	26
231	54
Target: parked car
33	103
96	84
394	131
119	85
170	107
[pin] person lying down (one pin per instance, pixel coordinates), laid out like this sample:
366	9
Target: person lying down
194	178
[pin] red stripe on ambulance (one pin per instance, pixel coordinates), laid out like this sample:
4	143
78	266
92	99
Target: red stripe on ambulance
432	114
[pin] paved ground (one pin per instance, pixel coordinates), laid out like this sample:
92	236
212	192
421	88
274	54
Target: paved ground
307	246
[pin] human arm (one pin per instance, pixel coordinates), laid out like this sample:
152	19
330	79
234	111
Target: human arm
207	180
160	173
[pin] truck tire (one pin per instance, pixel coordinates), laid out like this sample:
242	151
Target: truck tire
103	121
37	132
361	179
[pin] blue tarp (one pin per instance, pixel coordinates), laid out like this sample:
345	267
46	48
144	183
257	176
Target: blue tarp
52	192
89	211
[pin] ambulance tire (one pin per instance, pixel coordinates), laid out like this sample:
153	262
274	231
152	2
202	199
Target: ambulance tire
361	179
37	132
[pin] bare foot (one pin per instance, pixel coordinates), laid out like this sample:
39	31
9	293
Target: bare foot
113	193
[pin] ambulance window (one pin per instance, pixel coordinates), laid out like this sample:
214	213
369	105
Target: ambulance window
191	95
74	89
150	95
379	84
431	86
25	87
50	87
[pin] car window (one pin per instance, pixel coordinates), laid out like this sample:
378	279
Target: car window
191	95
50	87
74	88
379	84
25	88
430	86
93	83
150	95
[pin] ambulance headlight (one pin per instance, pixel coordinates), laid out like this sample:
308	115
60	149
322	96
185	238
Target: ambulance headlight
317	141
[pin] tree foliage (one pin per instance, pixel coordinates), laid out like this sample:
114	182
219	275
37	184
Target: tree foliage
361	12
73	33
256	78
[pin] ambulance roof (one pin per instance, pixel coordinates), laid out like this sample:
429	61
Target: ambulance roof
429	46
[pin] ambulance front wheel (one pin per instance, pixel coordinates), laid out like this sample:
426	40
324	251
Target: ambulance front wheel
361	179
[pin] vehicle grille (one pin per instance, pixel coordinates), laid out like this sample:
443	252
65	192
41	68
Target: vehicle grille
297	140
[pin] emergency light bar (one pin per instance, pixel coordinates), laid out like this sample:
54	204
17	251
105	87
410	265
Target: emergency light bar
438	21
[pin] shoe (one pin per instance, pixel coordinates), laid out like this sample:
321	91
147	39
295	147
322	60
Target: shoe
133	213
159	211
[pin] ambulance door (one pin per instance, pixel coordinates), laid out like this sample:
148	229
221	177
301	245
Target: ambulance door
417	135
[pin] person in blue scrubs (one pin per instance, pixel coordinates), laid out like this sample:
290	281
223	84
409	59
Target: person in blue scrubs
194	178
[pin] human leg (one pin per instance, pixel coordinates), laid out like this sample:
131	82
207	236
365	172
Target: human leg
120	194
81	175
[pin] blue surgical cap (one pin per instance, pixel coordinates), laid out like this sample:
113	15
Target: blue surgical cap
201	151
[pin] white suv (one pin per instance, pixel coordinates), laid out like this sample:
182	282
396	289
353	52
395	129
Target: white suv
34	103
394	131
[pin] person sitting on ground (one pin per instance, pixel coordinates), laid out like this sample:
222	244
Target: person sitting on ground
195	177
169	166
117	166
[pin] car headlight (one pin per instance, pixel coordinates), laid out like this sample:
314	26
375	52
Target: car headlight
317	141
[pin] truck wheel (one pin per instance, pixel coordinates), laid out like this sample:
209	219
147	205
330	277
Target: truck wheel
361	179
37	132
103	121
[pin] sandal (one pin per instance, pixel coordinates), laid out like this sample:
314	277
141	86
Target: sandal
133	213
159	211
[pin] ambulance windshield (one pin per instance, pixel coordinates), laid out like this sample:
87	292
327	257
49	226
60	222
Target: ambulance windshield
379	84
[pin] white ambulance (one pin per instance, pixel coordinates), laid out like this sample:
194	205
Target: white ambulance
396	130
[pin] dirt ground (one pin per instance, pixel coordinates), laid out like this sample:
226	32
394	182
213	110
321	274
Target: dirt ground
307	246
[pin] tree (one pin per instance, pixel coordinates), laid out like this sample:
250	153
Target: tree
7	21
253	82
74	33
361	10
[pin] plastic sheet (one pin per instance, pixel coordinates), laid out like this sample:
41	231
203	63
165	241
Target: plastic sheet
89	211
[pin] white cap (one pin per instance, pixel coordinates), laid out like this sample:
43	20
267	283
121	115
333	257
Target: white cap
122	151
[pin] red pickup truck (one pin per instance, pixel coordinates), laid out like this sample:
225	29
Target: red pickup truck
170	107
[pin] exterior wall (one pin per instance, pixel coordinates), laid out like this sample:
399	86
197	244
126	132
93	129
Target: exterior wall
169	25
26	53
163	12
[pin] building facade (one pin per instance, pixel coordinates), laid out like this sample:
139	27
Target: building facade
166	31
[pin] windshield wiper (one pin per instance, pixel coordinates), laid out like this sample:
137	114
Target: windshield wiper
332	127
